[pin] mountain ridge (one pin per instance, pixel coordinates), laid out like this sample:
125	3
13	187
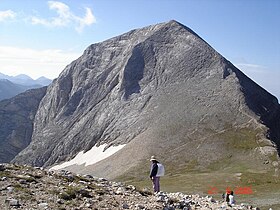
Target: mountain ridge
23	79
161	90
16	117
9	89
123	86
11	86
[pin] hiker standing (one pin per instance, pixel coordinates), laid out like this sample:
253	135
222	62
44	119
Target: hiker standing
157	170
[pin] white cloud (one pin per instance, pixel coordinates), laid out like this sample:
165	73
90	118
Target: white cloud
262	75
249	65
8	14
35	63
86	21
65	17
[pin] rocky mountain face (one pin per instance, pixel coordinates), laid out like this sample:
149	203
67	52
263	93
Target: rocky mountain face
16	122
161	90
35	188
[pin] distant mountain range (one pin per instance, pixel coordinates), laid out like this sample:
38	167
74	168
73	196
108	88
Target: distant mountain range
11	86
25	80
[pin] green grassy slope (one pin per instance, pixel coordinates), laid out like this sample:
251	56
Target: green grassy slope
239	167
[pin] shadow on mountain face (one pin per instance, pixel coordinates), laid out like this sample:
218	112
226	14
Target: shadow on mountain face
133	72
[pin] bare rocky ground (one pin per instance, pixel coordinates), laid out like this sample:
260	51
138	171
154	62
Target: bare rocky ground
24	187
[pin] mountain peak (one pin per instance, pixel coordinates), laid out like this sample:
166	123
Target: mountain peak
170	30
42	77
155	87
174	22
173	25
26	80
23	76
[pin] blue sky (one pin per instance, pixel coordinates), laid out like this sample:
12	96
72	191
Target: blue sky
39	38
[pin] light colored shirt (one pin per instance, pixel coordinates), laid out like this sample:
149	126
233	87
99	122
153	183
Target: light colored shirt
231	199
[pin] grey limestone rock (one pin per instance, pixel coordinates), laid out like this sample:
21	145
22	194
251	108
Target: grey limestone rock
12	202
159	90
2	167
16	122
56	192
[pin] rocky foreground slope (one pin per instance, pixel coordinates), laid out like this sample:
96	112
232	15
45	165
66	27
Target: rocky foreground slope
24	187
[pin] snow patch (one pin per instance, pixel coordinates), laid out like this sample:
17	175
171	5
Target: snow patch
94	155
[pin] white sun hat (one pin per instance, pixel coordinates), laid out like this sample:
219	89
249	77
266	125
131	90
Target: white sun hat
153	158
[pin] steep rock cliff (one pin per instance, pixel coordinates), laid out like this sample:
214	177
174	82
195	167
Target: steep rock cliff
16	122
159	90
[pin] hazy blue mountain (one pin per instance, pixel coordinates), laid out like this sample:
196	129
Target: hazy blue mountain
9	89
23	79
43	81
16	121
11	86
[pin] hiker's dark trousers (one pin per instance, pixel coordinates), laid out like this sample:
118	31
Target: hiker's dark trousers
156	183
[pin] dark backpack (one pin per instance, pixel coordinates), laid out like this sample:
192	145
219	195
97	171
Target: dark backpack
227	197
